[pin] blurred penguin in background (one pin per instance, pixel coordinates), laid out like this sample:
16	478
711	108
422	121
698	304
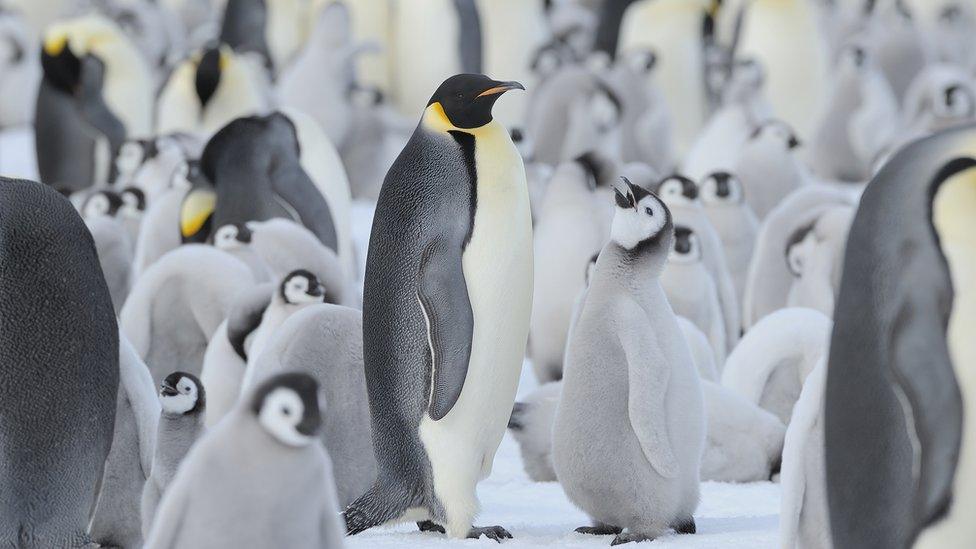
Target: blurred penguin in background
769	167
20	72
210	89
898	43
673	29
645	133
941	96
859	121
96	91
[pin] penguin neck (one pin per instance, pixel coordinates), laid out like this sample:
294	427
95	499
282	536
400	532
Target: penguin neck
435	120
632	269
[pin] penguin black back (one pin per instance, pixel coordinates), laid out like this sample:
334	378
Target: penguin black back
59	369
889	357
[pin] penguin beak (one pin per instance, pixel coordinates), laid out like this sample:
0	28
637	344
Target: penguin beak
794	142
167	389
624	199
500	88
631	192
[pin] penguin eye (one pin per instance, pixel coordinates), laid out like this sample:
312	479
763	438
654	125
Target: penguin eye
286	410
649	211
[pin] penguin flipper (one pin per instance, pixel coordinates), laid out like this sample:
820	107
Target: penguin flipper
295	187
443	296
140	389
647	389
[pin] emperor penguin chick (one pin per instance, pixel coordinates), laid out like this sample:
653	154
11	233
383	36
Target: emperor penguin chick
725	206
768	167
183	403
282	495
630	384
691	290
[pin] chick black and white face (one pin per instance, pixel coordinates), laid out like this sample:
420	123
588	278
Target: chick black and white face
604	109
301	287
721	188
639	216
686	248
180	394
287	407
130	157
226	238
101	203
799	247
954	102
677	189
133	202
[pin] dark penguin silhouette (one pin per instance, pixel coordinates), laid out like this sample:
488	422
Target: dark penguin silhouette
893	409
253	166
76	134
59	369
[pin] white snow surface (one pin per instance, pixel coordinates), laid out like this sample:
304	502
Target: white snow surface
537	514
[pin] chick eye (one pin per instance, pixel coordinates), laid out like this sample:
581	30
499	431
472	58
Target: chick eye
286	410
649	211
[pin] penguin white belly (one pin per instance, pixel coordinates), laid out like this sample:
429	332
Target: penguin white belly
952	215
497	266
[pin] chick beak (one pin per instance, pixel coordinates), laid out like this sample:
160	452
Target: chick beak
167	389
500	88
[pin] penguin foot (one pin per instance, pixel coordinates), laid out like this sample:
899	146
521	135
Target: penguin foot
431	526
686	526
629	538
496	533
599	530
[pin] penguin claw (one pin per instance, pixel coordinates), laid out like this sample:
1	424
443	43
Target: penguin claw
431	526
496	533
622	538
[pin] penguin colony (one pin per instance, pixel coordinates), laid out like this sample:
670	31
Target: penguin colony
731	240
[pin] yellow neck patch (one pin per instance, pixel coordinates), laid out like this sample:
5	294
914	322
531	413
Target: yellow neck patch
54	45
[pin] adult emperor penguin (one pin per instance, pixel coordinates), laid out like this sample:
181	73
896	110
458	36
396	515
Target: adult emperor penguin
127	89
116	521
183	401
325	341
209	89
60	369
631	385
446	311
282	495
900	384
725	206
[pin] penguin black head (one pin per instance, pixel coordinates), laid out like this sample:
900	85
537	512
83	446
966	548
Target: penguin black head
287	407
466	99
182	394
62	68
641	219
677	189
686	247
301	287
208	74
720	188
232	236
101	203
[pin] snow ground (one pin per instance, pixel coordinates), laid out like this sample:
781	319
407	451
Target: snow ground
730	516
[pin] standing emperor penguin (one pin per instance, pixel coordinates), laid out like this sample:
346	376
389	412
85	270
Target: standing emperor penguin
901	372
20	72
282	495
59	351
448	293
631	389
725	206
209	89
183	402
